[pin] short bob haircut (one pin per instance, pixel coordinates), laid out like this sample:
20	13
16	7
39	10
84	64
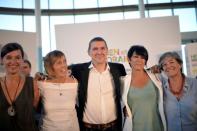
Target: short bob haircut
9	47
50	59
139	50
94	40
174	55
28	62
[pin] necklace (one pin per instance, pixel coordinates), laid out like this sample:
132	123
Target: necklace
59	82
60	92
11	109
177	93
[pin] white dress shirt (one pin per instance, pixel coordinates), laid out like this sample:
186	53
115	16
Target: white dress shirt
100	107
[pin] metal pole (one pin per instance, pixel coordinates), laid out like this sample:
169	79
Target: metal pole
38	34
141	7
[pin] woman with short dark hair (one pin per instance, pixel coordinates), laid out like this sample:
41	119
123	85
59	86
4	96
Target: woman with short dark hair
142	95
18	94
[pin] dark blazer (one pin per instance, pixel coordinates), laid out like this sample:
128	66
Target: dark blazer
81	73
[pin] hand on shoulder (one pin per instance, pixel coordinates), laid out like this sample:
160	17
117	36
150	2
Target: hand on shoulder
155	69
71	79
40	76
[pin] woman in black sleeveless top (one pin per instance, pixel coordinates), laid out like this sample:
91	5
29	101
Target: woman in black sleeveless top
18	94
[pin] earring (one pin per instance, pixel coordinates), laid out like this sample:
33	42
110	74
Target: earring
69	73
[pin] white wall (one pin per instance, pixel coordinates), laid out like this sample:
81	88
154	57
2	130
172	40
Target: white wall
156	34
191	58
27	41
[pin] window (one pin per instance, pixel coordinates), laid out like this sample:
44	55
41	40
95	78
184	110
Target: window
85	4
109	3
111	16
184	60
55	20
86	18
130	2
29	24
11	3
46	45
158	1
187	22
44	4
159	13
181	0
29	4
11	22
131	15
61	4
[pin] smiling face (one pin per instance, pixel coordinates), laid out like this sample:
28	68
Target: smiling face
137	62
60	67
12	62
171	66
98	52
25	69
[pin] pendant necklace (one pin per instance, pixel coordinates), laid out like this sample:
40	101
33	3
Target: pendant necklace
59	83
179	92
64	81
60	90
11	109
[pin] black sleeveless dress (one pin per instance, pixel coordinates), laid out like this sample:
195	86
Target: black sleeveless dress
24	119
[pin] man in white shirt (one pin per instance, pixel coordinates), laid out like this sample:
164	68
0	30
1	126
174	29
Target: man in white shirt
99	90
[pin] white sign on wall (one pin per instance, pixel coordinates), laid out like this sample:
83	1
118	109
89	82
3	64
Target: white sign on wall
27	41
156	34
191	58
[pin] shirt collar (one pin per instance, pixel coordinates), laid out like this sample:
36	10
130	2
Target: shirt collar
91	66
166	84
185	86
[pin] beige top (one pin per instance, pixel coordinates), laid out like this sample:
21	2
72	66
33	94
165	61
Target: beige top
59	101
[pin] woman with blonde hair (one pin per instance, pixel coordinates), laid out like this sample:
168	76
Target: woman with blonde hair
58	95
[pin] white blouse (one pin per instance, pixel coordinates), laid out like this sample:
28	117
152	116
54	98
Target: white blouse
59	100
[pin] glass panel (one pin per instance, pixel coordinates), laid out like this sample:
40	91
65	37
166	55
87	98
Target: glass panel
134	14
158	13
11	22
46	47
29	24
181	0
131	15
86	18
111	16
109	3
146	14
85	4
61	4
130	2
55	20
29	4
62	19
187	22
44	4
184	60
158	1
11	3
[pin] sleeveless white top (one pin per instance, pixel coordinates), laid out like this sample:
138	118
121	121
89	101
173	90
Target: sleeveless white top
59	100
